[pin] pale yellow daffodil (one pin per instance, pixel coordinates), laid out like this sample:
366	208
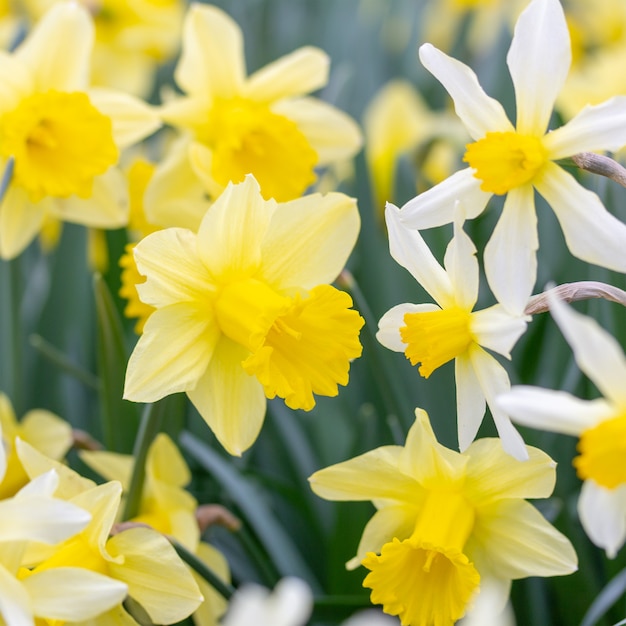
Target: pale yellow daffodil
448	524
600	424
65	139
262	124
433	334
515	160
245	311
42	429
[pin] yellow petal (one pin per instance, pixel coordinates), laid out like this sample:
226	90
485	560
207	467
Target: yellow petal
214	605
20	220
109	465
165	462
47	433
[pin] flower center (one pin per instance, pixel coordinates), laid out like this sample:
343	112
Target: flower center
308	348
436	337
504	161
60	142
427	579
602	453
248	138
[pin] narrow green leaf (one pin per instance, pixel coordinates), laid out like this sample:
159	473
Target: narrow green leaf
611	593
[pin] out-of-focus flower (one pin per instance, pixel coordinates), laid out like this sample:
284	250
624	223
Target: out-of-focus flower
448	523
245	309
132	37
43	430
504	159
64	140
168	508
600	424
397	122
262	124
433	334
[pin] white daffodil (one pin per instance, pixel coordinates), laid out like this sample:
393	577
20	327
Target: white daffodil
600	424
433	334
515	160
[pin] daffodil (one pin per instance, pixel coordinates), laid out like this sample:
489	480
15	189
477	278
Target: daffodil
515	160
261	124
42	429
244	309
433	334
64	139
448	524
600	424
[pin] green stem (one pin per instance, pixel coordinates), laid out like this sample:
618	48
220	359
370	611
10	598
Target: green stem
223	588
269	574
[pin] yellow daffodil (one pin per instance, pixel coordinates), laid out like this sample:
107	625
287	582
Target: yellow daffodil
65	140
433	334
515	160
261	124
600	424
448	525
43	430
244	309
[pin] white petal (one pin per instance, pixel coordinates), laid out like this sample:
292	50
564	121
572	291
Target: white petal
15	606
470	401
556	411
20	221
597	353
601	127
480	113
409	249
511	252
462	267
539	60
436	206
591	232
496	329
602	513
390	323
494	381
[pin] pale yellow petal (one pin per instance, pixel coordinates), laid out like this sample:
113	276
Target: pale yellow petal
72	593
109	465
212	61
155	575
230	401
214	605
47	432
59	48
302	71
172	353
309	240
231	232
20	220
15	606
8	420
165	462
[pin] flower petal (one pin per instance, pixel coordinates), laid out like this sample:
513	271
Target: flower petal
539	60
496	329
72	593
231	232
601	127
602	513
555	411
132	119
437	205
15	606
230	401
591	232
511	252
520	542
47	432
169	260
155	575
309	240
480	113
492	474
470	401
597	353
109	465
212	60
173	352
295	74
409	250
390	323
462	265
58	51
333	134
494	381
369	476
20	221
